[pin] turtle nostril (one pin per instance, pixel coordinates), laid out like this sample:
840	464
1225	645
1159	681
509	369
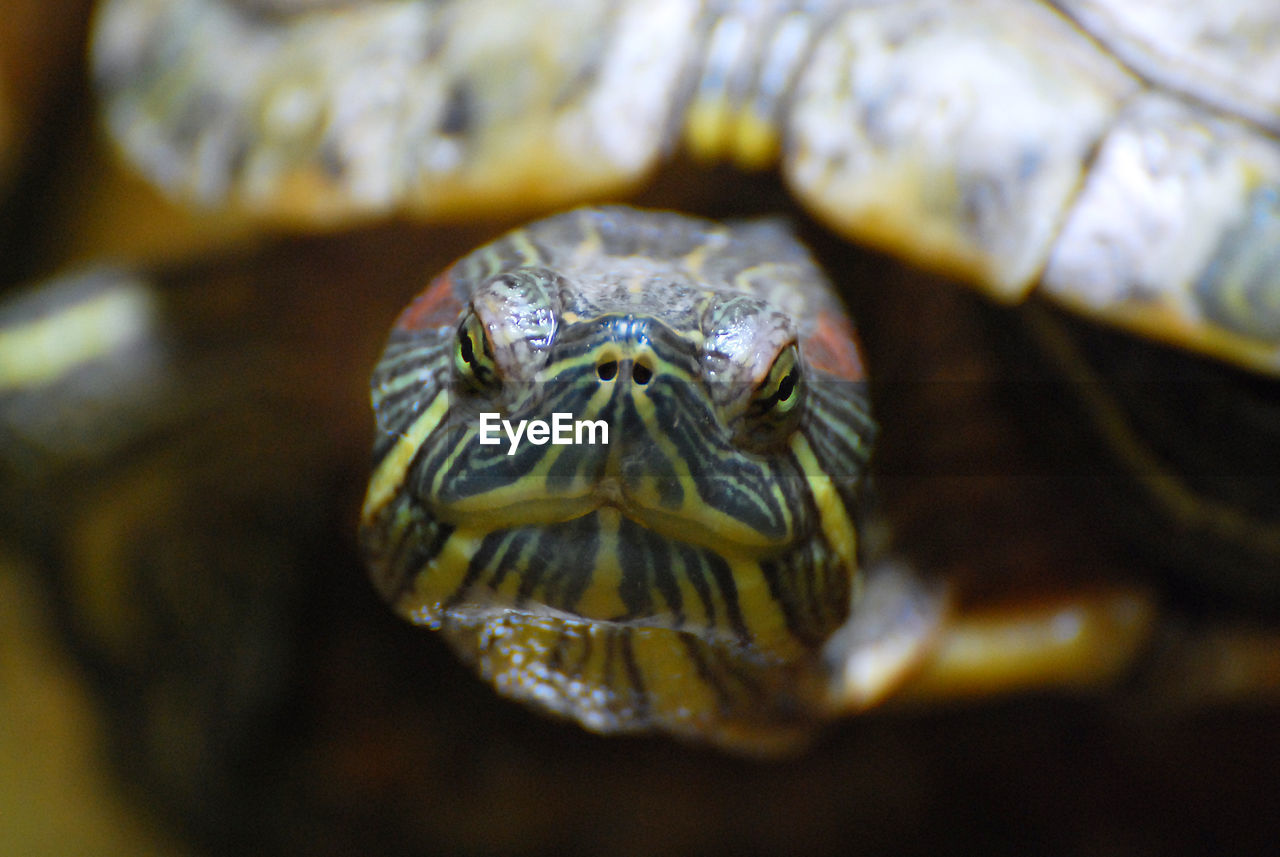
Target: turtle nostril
641	373
607	370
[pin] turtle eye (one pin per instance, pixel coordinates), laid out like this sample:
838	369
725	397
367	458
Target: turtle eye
780	392
473	358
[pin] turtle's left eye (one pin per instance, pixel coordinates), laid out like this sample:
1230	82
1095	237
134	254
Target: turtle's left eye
773	412
779	393
473	357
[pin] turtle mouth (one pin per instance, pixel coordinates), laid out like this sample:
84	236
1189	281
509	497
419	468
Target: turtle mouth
610	497
691	521
609	492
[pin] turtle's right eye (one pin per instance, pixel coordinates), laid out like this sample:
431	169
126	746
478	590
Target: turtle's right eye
473	358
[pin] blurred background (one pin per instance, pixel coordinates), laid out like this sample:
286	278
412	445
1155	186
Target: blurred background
192	662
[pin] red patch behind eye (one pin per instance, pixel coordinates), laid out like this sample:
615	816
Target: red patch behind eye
437	306
833	348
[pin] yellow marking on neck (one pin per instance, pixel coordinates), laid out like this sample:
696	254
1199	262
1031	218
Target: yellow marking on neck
761	612
600	600
837	525
390	473
440	578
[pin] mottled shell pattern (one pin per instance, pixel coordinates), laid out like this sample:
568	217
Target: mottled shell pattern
683	565
1122	155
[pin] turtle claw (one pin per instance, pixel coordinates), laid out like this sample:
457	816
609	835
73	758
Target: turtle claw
896	620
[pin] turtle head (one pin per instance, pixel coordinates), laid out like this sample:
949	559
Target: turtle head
604	473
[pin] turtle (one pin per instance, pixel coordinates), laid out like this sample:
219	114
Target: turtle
453	123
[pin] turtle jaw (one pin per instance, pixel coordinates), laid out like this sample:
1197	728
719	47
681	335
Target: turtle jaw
635	626
690	521
693	522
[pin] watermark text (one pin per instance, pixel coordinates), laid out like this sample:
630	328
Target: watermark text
561	431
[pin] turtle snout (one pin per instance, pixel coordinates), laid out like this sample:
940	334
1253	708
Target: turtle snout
639	371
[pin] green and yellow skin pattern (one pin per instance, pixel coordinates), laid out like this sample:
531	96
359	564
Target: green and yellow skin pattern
682	576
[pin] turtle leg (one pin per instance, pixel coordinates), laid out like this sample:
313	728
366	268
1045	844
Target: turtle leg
905	640
1075	641
180	460
162	478
907	644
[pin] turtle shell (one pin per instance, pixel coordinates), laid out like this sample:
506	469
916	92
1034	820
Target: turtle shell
1122	157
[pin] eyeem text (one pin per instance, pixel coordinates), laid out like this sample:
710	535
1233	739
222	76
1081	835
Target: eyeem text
562	430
